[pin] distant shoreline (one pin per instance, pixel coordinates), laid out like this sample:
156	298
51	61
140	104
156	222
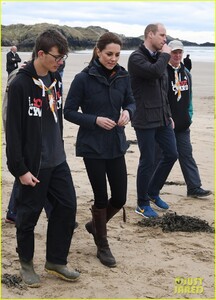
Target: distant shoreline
6	48
197	53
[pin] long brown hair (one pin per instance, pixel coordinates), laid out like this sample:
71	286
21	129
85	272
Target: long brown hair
103	41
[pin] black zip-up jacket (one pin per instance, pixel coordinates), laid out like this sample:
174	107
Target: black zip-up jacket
149	81
24	120
98	95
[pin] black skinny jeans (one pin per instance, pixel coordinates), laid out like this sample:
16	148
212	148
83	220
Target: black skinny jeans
57	186
99	170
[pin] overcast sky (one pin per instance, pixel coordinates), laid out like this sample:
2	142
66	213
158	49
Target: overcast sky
187	20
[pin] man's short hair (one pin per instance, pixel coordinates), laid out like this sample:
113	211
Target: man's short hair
51	38
151	27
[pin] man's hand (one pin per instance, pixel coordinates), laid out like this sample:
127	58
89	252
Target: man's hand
166	49
28	179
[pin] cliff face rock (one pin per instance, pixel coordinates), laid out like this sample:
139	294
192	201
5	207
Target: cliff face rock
23	36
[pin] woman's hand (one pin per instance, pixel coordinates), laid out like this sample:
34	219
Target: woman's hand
124	118
105	123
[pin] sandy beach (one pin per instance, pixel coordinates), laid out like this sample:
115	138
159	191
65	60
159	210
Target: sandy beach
148	259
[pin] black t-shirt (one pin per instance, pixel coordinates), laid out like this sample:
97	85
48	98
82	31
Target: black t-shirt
53	152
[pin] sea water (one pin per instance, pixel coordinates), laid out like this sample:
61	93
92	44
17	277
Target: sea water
198	54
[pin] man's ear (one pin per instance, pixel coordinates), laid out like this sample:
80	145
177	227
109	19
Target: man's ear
41	53
151	34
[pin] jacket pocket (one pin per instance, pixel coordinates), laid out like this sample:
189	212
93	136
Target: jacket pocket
153	115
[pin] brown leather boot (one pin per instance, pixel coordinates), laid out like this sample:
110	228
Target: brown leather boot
103	251
111	211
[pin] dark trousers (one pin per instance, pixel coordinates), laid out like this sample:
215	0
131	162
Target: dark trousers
11	210
57	186
99	170
187	163
150	181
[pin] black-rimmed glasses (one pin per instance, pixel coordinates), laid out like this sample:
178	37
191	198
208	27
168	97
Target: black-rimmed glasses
57	57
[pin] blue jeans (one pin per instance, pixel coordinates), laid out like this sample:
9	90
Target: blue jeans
150	181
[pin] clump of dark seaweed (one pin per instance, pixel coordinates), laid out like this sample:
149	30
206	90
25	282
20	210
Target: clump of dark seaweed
172	222
12	281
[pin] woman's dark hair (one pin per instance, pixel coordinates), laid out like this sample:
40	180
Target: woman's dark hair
51	38
104	40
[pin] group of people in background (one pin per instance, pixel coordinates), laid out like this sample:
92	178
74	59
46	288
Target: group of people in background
155	94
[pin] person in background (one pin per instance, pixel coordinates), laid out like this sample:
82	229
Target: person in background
103	92
187	62
180	99
152	120
61	72
12	60
61	69
11	210
36	157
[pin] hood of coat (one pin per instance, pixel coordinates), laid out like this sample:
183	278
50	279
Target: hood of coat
30	71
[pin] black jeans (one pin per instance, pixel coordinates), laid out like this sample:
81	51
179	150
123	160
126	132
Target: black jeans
99	170
57	186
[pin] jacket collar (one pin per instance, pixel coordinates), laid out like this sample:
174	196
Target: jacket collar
146	52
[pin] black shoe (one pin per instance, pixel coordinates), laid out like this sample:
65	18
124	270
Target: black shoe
11	219
198	193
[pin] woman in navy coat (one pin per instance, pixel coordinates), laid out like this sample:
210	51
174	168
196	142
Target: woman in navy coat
103	93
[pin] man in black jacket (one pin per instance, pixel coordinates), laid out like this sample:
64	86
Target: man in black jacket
36	158
12	60
180	99
187	62
152	120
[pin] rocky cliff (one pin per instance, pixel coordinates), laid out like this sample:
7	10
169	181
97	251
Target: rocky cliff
23	36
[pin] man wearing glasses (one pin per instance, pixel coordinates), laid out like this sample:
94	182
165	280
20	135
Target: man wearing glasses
36	157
